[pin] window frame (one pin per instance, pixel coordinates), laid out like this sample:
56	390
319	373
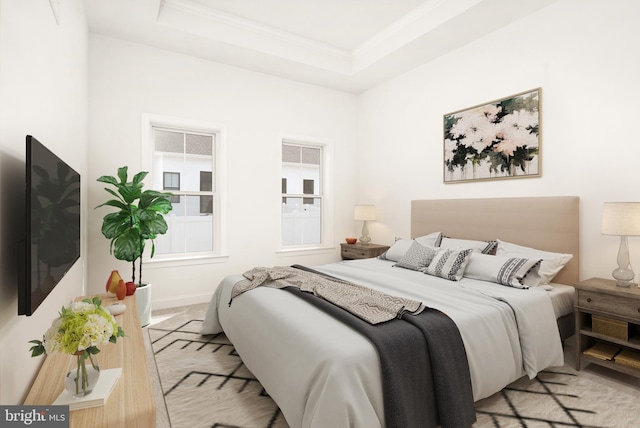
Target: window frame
151	121
326	194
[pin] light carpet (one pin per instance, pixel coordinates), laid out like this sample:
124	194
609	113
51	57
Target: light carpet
203	383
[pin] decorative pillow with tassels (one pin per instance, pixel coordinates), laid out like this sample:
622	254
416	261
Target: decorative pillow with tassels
511	271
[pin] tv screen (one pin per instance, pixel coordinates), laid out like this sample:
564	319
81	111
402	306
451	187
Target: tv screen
52	243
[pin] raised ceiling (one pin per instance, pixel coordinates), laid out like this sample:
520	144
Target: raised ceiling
349	45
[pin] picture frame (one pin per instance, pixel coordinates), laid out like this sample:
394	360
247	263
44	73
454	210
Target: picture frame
496	140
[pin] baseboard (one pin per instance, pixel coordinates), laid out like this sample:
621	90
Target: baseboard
180	301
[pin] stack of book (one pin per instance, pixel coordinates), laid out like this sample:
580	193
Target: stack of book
629	358
603	351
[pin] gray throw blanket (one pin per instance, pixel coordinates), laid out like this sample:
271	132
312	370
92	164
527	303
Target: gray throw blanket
371	305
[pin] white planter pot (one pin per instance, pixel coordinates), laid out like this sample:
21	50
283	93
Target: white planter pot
143	300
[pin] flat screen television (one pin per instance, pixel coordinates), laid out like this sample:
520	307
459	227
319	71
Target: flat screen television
52	225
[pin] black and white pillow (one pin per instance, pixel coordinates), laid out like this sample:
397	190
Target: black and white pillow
449	264
417	257
551	263
515	272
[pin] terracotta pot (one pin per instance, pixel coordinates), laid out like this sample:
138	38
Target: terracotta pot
131	288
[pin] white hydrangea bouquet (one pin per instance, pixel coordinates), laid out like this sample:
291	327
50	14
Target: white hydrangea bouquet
78	331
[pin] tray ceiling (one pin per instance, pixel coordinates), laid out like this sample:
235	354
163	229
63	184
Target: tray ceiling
349	45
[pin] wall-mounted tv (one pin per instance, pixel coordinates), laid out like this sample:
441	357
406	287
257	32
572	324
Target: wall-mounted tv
52	241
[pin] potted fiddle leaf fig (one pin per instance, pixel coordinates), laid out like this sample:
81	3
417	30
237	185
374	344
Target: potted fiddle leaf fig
138	219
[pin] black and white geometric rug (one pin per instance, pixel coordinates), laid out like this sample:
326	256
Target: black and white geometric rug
205	384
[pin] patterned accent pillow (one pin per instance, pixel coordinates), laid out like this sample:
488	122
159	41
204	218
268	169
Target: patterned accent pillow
449	264
417	257
511	271
551	263
515	271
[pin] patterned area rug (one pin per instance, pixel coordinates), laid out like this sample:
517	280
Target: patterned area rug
205	384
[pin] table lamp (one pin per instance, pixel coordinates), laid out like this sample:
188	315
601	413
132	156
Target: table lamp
364	213
622	219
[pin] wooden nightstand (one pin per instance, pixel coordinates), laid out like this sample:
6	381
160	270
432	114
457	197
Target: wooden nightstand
610	315
359	251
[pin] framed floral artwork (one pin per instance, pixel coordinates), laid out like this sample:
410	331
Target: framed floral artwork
496	140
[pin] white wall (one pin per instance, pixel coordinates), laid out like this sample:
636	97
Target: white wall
43	92
584	56
127	80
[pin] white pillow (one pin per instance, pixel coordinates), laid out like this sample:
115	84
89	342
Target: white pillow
417	257
551	264
510	271
449	264
430	240
485	247
398	249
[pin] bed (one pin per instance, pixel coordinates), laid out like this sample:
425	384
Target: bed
322	373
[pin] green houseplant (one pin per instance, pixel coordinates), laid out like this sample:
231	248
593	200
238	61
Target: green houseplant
138	219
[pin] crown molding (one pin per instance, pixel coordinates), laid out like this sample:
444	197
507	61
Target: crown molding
418	23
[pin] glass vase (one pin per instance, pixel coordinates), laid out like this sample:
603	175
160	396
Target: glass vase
82	374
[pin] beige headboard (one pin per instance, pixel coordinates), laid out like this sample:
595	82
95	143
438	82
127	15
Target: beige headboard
544	223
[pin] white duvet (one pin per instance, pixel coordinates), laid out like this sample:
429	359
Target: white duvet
323	374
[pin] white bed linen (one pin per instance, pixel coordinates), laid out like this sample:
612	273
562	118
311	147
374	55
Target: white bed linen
321	373
562	299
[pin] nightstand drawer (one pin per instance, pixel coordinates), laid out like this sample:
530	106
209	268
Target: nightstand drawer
605	302
359	251
354	253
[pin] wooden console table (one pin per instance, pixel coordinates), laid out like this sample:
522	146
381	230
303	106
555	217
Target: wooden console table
131	402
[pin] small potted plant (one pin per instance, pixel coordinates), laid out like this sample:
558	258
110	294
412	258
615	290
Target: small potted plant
138	219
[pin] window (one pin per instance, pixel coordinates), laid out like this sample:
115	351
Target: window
303	195
183	159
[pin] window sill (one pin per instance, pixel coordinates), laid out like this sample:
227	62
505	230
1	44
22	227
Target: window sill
284	252
177	261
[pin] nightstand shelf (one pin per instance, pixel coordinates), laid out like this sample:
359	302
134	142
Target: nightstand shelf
360	251
601	297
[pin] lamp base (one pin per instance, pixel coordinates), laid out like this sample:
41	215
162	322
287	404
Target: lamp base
623	277
365	238
625	284
624	273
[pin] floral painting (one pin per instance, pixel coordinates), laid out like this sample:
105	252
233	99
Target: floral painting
499	139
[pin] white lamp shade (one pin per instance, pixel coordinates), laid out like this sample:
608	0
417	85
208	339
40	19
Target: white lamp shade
621	218
364	212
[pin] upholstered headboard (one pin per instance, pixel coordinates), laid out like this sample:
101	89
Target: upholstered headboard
544	223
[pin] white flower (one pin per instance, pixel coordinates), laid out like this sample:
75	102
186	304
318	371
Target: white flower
81	306
52	338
